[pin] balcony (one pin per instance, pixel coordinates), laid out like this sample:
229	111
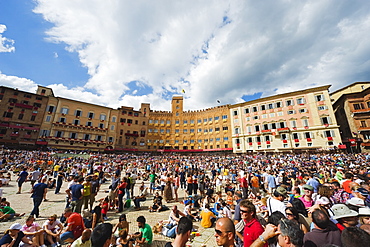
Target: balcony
23	106
359	111
286	129
132	134
14	134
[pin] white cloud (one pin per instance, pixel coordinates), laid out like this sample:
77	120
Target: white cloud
6	45
23	84
212	49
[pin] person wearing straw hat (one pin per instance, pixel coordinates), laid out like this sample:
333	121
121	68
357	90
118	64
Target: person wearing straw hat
345	216
364	214
14	236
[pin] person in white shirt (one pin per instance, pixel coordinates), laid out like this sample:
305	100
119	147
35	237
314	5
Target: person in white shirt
275	202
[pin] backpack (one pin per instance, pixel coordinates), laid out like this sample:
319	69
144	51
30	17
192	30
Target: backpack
127	203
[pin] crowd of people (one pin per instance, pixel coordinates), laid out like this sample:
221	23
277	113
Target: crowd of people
249	200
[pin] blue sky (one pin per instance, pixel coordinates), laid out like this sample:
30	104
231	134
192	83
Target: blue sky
121	52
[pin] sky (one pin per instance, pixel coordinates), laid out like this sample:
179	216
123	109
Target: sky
124	53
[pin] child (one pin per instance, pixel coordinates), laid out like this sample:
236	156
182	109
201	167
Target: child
105	207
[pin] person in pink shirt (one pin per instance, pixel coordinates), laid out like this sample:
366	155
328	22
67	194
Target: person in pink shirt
33	231
307	197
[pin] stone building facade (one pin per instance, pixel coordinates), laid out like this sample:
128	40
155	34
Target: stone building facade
21	117
351	105
298	121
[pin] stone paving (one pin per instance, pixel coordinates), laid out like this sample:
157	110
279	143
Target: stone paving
22	203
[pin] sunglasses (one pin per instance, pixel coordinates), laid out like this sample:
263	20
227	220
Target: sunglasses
244	211
51	220
289	214
218	232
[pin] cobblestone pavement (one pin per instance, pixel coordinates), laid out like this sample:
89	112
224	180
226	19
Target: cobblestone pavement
22	203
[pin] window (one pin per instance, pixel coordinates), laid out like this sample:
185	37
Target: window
295	135
20	116
282	125
102	117
162	131
319	97
217	129
185	121
224	116
59	134
246	110
284	136
329	133
255	117
210	130
265	126
307	135
254	109
191	130
263	107
185	131
278	104
363	124
218	139
257	128
325	120
236	131
217	118
33	118
199	130
210	119
89	124
64	110
114	119
101	125
226	139
90	115
293	124
168	121
305	122
73	136
45	132
199	140
225	128
192	121
235	113
258	139
289	102
270	106
301	101
177	122
280	113
51	108
272	115
273	126
62	120
78	113
112	127
110	139
199	121
358	106
48	119
177	131
303	110
322	107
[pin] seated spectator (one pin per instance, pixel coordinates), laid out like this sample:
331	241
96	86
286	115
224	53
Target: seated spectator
124	239
75	226
14	236
141	197
188	211
157	203
84	240
8	213
52	228
175	215
207	217
121	225
324	231
344	216
355	237
145	236
97	217
33	231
